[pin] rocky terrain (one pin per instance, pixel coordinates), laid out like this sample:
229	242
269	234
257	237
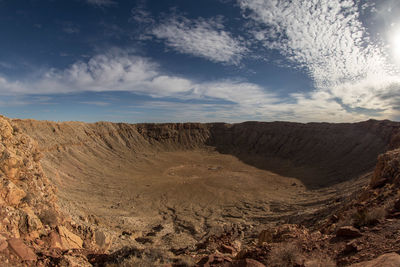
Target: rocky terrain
248	194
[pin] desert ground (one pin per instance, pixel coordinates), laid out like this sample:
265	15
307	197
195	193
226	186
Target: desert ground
155	194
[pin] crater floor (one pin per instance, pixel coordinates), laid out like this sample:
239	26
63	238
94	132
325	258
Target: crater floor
176	199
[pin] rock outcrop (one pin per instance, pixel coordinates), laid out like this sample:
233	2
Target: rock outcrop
33	230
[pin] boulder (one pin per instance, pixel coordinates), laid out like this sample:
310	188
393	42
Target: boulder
387	169
30	223
22	250
102	239
348	232
69	240
6	129
387	260
12	193
55	240
3	243
10	164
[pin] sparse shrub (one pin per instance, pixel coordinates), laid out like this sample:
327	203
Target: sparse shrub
49	217
368	218
284	255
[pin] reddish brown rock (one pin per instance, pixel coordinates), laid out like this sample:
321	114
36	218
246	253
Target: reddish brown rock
387	169
6	129
22	250
247	263
3	243
386	260
12	193
69	240
348	232
55	240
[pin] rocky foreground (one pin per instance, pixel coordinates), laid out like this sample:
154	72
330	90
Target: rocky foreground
360	230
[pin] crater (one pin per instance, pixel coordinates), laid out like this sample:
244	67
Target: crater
173	185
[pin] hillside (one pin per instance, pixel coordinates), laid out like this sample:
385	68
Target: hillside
172	193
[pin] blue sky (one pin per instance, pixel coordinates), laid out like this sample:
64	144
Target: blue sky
209	60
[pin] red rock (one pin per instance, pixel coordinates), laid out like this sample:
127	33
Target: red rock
14	194
386	260
69	240
3	245
22	250
55	240
348	232
247	263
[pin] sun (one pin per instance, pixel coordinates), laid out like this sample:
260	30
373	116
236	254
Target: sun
395	45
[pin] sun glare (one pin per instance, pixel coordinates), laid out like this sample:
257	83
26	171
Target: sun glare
395	45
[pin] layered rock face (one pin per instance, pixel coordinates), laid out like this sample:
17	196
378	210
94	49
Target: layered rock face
319	154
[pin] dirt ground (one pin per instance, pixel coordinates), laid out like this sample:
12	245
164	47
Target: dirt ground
176	199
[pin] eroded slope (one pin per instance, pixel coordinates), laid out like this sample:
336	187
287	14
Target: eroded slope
190	181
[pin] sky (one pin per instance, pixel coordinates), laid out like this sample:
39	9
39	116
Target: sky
200	61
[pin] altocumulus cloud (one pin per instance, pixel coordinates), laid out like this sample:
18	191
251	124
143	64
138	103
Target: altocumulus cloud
327	38
202	38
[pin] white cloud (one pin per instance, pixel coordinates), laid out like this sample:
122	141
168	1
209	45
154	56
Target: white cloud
201	38
120	71
327	38
229	100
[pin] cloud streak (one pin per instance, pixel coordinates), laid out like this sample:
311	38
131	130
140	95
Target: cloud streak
120	71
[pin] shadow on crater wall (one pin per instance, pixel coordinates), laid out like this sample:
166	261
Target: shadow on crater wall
319	154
